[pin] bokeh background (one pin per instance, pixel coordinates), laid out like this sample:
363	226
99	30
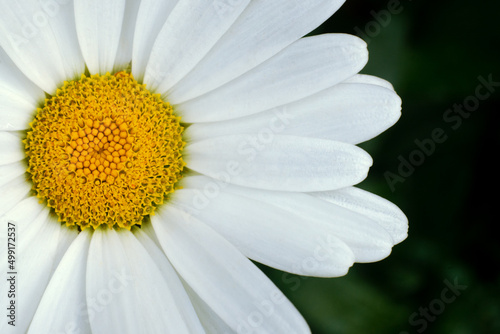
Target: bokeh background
434	53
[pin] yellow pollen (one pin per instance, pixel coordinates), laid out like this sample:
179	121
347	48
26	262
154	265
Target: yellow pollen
104	150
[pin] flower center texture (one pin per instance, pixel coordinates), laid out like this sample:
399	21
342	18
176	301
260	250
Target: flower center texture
104	150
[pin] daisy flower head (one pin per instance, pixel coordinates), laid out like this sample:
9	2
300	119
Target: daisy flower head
150	150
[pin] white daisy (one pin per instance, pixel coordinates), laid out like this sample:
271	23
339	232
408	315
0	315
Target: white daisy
150	149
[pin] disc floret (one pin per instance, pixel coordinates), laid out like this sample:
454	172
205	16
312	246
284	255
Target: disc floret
104	150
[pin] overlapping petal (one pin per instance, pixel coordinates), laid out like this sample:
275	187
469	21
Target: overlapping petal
347	112
385	213
181	43
364	236
12	148
304	68
276	162
223	278
18	96
173	281
99	28
35	257
66	290
263	30
266	233
126	275
12	192
151	17
125	46
40	37
11	171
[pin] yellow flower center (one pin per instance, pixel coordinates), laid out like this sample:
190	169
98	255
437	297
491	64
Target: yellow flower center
104	150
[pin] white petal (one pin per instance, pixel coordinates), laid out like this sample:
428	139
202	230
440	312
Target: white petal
150	19
191	30
365	237
11	148
223	278
98	26
266	233
350	113
303	69
150	232
211	322
18	96
264	29
40	37
124	53
370	80
13	192
66	238
126	292
35	253
15	83
66	290
179	294
279	162
25	211
11	171
388	215
16	113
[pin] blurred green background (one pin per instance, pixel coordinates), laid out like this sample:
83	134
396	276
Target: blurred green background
433	53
